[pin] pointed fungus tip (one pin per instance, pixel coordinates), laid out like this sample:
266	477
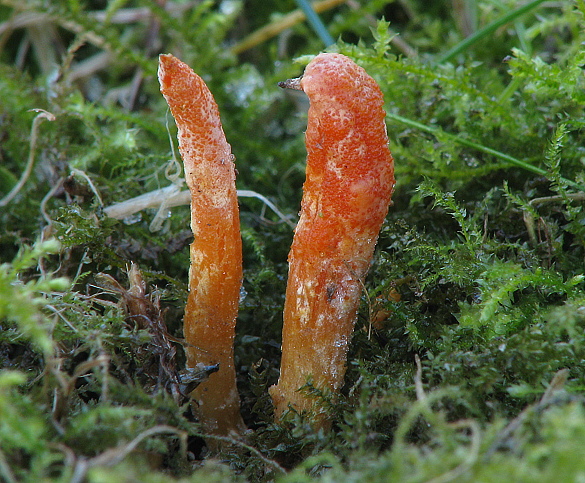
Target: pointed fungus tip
291	84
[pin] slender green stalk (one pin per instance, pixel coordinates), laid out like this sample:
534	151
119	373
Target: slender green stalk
484	149
31	155
488	29
316	22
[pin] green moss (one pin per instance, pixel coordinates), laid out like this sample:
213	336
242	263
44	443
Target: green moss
478	272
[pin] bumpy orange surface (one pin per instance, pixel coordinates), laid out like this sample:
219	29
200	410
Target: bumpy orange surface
347	191
216	252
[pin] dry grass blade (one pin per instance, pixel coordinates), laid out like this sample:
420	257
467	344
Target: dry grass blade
274	28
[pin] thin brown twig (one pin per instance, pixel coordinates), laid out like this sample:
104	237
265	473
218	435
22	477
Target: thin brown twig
257	453
557	383
113	456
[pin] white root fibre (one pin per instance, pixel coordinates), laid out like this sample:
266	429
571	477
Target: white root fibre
169	197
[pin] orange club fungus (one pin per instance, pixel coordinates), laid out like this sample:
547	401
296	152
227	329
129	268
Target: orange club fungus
346	195
215	274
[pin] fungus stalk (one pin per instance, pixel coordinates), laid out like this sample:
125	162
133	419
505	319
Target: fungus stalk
215	274
346	194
